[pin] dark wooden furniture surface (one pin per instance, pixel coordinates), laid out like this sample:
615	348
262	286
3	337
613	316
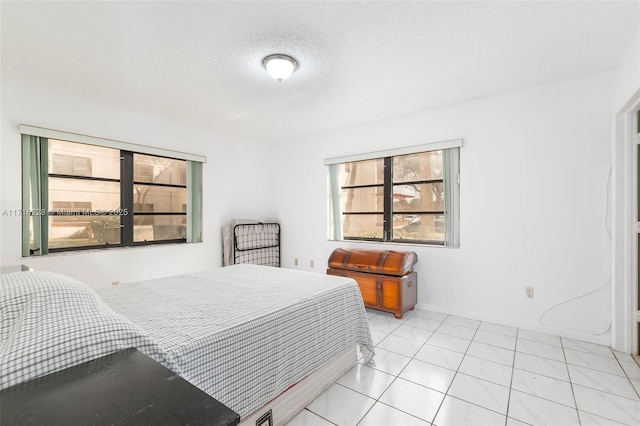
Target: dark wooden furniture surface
386	278
124	388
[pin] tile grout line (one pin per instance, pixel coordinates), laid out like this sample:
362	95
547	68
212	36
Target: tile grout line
412	358
457	371
573	392
396	376
513	367
517	337
377	400
316	414
625	374
452	379
466	354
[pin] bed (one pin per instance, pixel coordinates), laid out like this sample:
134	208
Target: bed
248	335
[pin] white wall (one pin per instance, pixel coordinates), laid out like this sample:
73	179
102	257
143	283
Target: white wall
534	172
627	74
236	183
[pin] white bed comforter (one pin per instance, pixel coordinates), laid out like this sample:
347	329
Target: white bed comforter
49	322
245	333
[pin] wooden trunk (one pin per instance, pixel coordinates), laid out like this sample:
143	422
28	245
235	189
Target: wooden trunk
385	262
385	278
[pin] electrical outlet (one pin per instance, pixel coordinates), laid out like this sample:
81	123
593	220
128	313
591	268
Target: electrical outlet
529	292
311	263
295	261
116	282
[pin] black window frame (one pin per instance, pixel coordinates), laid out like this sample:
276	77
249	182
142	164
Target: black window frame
128	231
126	210
387	213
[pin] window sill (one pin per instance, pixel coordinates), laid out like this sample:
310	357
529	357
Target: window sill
107	249
393	243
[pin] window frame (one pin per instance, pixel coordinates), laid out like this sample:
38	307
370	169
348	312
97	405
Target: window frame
450	181
128	233
36	173
60	213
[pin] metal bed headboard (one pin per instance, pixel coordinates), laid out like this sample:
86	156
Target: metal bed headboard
257	243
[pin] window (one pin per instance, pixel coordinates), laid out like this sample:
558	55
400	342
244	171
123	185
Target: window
404	196
81	198
80	194
159	194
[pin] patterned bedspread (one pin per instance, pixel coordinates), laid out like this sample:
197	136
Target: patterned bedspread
246	333
49	322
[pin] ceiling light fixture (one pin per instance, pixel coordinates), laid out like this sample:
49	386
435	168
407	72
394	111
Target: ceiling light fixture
280	66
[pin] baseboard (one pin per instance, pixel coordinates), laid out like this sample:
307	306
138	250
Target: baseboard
604	339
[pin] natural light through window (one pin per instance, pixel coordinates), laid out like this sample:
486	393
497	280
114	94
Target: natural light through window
409	198
83	195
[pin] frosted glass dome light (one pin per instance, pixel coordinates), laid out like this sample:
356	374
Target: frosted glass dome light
280	66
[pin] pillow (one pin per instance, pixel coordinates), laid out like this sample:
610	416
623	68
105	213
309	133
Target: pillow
49	322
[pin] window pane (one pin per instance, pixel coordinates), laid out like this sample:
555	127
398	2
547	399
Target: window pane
420	166
159	227
418	197
363	225
159	199
70	158
73	204
72	195
424	227
362	172
147	168
90	231
363	199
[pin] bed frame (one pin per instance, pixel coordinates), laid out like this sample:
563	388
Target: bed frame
289	403
254	242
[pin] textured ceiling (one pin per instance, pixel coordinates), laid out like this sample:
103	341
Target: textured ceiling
200	62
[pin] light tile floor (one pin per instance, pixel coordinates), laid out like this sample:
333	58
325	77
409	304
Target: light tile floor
437	369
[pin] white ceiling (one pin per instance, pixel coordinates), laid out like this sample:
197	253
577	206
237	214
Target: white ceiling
200	62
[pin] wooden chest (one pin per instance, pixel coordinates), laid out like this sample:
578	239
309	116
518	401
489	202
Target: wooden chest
386	278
